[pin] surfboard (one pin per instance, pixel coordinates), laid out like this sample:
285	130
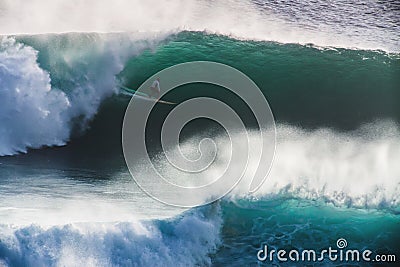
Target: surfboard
132	92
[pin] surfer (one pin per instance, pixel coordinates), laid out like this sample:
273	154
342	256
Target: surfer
155	89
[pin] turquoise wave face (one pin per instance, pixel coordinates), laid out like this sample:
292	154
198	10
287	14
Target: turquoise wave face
305	85
288	223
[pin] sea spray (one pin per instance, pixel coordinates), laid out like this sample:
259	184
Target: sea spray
185	240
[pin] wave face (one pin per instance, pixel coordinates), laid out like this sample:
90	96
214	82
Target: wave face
304	85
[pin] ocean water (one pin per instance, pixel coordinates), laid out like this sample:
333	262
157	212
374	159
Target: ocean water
330	71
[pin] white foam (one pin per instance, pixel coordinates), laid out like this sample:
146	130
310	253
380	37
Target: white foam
33	114
131	243
357	169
